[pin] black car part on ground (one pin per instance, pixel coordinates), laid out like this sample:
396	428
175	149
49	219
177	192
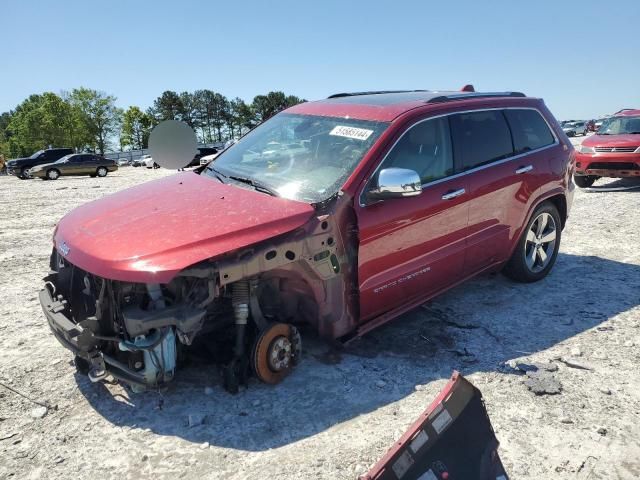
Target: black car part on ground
452	440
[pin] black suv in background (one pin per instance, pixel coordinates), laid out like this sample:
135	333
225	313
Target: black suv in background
19	166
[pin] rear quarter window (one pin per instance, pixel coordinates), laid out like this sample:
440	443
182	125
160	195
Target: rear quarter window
530	131
480	138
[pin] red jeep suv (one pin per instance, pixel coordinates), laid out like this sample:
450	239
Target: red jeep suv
614	151
339	214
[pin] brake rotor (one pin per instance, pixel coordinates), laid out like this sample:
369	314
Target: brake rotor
276	351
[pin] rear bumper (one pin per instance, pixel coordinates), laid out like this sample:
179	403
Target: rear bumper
608	164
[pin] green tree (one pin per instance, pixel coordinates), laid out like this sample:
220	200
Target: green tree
136	127
42	121
266	106
5	134
98	116
242	115
188	110
167	106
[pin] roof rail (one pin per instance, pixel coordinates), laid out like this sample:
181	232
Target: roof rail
376	92
459	96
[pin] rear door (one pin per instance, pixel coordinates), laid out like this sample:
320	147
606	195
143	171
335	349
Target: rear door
75	165
503	153
90	165
413	247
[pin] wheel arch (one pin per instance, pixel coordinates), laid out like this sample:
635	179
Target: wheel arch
555	197
560	201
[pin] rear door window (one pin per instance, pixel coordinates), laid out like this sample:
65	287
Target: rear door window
530	131
480	138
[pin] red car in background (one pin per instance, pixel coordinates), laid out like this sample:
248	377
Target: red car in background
614	151
339	214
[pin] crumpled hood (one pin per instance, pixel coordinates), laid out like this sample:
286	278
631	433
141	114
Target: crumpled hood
612	141
150	232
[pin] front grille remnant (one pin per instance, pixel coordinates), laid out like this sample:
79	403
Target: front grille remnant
616	149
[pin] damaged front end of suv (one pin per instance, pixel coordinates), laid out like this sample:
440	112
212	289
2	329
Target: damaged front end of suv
247	304
236	255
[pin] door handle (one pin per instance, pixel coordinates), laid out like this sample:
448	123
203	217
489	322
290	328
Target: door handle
453	194
526	169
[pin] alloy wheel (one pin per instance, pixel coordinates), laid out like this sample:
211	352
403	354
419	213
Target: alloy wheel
53	174
540	243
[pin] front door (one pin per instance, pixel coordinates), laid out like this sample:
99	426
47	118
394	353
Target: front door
413	247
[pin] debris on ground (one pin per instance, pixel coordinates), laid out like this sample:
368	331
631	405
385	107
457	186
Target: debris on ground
574	364
196	419
39	412
542	383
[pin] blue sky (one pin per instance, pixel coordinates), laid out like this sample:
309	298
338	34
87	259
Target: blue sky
583	60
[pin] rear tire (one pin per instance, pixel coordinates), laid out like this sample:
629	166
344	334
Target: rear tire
537	250
23	174
584	181
101	172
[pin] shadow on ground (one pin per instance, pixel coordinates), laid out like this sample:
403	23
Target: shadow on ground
474	327
615	185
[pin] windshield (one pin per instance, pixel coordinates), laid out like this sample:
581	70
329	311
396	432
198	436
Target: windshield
37	154
620	126
301	157
64	159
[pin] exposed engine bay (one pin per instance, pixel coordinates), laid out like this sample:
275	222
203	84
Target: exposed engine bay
249	304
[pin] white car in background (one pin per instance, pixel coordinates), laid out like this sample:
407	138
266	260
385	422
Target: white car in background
207	158
148	161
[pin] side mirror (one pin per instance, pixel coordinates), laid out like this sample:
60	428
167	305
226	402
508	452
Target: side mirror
396	183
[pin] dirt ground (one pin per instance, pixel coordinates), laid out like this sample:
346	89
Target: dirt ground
336	415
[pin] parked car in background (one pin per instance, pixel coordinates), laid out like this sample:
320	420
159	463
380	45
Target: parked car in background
148	162
571	129
340	214
137	162
202	152
599	122
20	166
207	158
123	162
75	164
614	151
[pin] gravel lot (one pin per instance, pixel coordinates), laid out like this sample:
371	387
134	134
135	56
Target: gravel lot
337	414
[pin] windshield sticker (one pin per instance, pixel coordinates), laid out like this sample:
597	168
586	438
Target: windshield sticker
351	132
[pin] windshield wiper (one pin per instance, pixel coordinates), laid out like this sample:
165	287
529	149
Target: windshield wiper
261	187
218	174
